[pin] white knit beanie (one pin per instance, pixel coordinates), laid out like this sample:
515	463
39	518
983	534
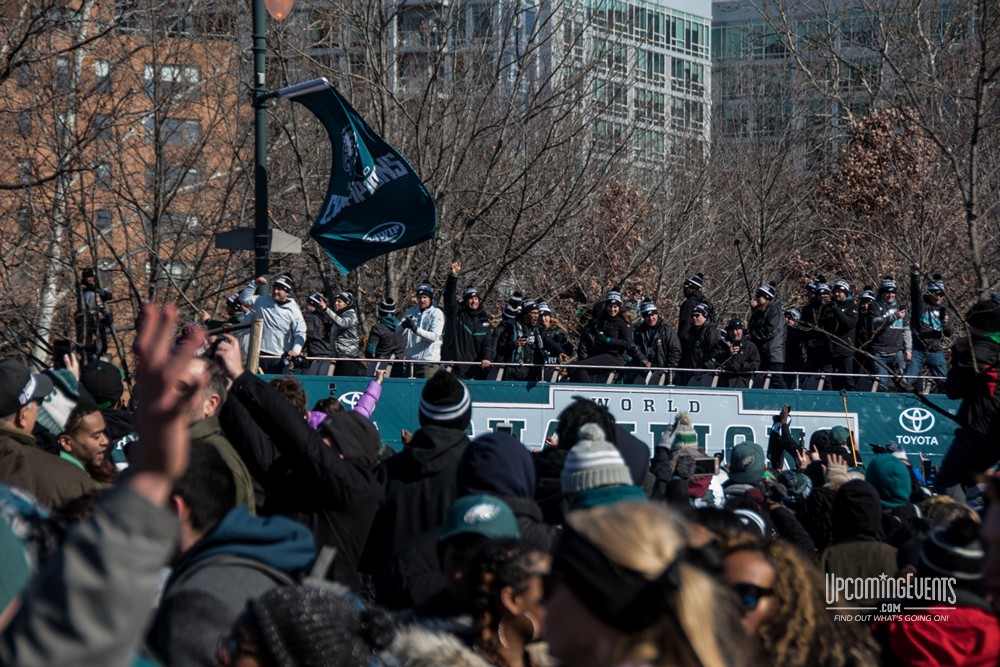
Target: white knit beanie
592	463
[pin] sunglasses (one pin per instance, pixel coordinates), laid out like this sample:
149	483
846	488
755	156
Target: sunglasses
750	595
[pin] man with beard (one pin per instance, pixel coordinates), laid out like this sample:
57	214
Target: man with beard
204	420
466	328
84	443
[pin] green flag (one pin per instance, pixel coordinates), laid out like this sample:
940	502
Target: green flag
375	202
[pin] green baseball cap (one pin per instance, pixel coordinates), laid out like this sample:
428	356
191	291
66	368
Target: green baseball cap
479	514
746	463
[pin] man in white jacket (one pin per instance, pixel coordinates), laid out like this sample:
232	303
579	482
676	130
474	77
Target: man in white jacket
424	327
284	326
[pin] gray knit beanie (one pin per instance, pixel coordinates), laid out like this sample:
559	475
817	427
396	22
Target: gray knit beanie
593	462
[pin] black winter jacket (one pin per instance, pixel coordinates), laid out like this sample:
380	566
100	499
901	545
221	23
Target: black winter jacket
606	335
979	413
737	369
684	323
890	333
702	345
305	478
466	331
767	330
929	324
384	341
317	335
420	485
658	345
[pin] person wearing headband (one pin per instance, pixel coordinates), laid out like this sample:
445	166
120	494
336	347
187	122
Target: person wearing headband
622	593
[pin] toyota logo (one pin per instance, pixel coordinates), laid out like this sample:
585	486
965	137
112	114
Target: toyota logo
351	398
916	420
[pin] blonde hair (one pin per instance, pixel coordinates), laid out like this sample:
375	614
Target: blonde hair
646	537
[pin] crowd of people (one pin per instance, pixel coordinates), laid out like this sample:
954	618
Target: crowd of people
218	519
836	335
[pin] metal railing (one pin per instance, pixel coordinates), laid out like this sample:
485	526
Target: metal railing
638	375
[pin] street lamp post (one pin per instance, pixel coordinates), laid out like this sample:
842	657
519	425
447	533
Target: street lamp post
279	10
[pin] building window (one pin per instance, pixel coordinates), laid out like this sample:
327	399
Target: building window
24	218
102	76
24	123
180	132
62	73
421	27
102	128
102	219
180	176
25	172
172	81
102	176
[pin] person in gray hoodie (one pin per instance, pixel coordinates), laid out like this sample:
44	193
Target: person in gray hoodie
226	558
284	327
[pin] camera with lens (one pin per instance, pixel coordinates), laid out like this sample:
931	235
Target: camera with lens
296	363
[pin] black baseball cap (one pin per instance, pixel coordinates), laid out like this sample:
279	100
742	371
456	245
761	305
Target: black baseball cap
103	381
19	386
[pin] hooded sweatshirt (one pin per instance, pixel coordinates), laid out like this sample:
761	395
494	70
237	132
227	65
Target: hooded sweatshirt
284	326
420	485
240	559
856	550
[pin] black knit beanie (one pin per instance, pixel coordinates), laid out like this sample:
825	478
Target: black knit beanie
985	316
954	551
303	626
445	402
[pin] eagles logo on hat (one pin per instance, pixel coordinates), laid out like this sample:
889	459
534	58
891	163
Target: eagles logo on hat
613	297
734	324
345	297
841	285
700	309
425	288
528	305
543	308
793	314
284	282
481	514
469	293
647	308
387	307
888	284
19	387
867	294
694	281
766	290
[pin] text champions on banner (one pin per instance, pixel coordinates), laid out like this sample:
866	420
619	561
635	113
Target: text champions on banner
375	202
